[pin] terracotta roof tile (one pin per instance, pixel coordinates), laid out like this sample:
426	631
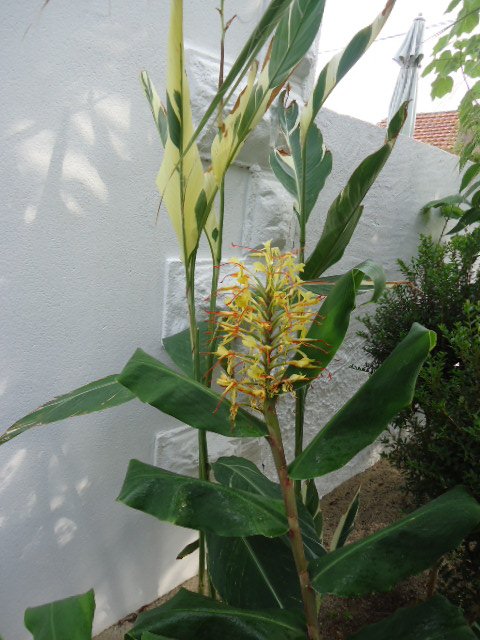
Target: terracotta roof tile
439	129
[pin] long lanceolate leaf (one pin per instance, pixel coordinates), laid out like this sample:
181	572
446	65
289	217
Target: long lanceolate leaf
181	180
258	38
301	168
201	505
70	618
189	616
363	418
340	64
346	210
256	572
242	474
95	396
331	323
292	39
185	399
346	524
159	111
435	619
413	544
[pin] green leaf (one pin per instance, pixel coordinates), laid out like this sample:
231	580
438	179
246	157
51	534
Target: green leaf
256	572
185	399
470	217
267	24
179	349
293	38
441	86
201	505
341	63
317	166
447	200
70	618
95	396
452	5
188	549
239	473
330	325
470	174
363	418
159	112
346	210
376	563
346	524
153	636
435	619
311	500
189	616
303	169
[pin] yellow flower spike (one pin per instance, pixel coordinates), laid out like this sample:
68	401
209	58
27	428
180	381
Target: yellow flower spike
269	316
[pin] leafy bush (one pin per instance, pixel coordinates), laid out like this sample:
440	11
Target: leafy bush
437	443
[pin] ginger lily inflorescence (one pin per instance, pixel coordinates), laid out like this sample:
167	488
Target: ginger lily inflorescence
263	329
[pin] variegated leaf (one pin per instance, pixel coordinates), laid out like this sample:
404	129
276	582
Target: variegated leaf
340	64
302	169
159	112
345	212
181	179
293	37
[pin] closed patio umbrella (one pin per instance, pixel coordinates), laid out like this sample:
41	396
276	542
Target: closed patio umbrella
409	57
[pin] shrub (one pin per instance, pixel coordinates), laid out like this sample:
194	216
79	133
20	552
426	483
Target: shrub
436	443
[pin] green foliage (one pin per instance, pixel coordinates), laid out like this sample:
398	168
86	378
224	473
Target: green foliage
188	616
265	554
363	418
70	618
407	547
463	207
201	505
437	443
457	51
431	620
436	284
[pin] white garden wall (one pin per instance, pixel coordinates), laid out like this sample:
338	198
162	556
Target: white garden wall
86	276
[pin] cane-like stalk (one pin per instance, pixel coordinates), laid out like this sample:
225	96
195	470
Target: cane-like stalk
269	314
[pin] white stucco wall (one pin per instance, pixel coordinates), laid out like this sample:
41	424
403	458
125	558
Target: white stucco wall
83	282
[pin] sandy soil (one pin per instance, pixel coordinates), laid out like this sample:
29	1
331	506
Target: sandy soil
382	502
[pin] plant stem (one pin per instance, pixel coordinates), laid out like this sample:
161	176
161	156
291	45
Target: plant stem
299	423
295	533
202	436
301	393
